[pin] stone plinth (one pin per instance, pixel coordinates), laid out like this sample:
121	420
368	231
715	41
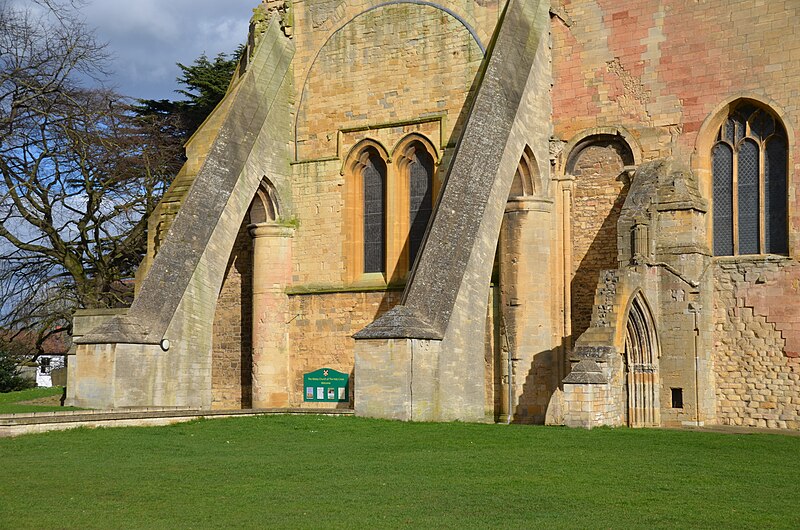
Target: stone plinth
399	379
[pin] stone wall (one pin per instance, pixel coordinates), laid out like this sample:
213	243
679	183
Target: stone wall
447	297
495	360
640	71
382	64
231	356
364	69
649	64
321	332
590	406
319	208
756	359
656	70
314	21
599	193
361	70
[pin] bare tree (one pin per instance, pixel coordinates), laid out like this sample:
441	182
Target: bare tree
80	172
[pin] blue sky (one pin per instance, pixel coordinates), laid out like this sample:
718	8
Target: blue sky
147	37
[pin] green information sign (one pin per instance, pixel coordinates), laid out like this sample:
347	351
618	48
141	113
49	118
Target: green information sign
325	386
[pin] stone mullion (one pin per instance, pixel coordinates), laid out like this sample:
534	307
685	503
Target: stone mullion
735	198
762	221
397	222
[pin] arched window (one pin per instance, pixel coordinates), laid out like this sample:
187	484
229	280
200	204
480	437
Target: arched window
749	167
388	203
373	174
420	196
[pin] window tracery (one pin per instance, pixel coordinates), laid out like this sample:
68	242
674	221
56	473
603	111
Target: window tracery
749	171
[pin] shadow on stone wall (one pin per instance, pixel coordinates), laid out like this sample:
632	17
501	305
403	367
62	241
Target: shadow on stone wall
245	269
539	389
601	255
233	328
351	391
389	299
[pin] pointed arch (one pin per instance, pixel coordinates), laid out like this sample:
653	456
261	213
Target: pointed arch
266	207
749	181
416	159
389	200
366	189
403	144
641	361
743	150
527	179
353	158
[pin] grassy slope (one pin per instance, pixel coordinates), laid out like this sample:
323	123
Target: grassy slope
9	401
303	472
33	393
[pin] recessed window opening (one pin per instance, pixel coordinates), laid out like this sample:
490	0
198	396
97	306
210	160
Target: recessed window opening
374	178
749	167
677	398
420	173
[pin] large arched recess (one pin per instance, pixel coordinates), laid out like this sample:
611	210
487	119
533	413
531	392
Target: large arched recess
232	340
597	161
383	66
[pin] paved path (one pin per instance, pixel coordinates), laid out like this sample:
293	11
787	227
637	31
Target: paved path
17	424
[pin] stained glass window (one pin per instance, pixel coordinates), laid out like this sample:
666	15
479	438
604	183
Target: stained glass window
750	157
723	200
775	166
374	177
394	201
748	198
420	173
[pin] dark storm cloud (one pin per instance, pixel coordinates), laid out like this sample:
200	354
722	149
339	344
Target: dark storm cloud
147	37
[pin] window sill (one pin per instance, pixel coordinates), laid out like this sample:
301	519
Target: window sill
365	283
754	257
370	280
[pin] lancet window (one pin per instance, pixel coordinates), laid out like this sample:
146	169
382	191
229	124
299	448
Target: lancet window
390	202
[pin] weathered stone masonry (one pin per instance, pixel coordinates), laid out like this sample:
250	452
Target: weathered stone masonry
756	340
567	274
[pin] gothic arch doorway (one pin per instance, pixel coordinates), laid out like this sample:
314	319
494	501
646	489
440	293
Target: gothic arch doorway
641	366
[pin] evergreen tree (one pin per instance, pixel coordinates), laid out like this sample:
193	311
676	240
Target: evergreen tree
11	378
206	83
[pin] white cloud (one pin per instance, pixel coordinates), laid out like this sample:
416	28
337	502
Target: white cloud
147	38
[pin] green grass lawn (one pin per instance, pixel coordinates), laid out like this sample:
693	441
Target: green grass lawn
344	472
10	401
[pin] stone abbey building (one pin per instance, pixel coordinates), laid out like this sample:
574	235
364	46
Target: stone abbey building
579	212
